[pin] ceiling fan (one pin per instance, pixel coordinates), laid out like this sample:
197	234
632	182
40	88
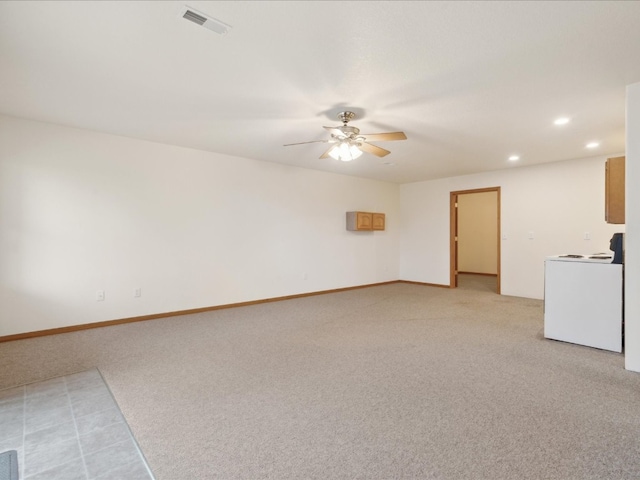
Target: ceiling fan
348	143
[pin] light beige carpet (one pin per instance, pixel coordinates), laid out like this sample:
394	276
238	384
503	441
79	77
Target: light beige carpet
396	381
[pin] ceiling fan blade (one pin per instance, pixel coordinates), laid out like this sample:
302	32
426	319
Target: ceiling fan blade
385	137
302	143
326	154
335	131
377	151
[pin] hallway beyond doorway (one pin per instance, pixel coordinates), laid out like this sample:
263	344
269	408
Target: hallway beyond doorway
478	283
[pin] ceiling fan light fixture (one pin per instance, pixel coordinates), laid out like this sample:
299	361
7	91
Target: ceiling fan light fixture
348	144
345	151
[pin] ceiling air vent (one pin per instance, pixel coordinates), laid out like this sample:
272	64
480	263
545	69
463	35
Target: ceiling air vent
204	20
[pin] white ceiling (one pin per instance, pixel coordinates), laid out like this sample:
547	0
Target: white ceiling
470	83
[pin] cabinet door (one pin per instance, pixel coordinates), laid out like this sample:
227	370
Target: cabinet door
364	221
614	190
378	221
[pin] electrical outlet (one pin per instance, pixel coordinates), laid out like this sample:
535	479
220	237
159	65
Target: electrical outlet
100	295
587	236
531	235
137	292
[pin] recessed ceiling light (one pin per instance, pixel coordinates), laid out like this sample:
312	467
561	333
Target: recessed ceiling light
514	158
561	121
592	145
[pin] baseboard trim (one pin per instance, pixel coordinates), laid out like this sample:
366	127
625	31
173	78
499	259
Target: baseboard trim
479	273
438	285
142	318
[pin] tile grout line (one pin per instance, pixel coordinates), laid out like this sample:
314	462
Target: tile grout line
48	467
103	410
75	425
101	426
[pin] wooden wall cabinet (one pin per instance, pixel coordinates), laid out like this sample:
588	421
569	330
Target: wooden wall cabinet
365	221
614	190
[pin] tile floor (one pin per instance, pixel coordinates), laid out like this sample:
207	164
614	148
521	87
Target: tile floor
69	428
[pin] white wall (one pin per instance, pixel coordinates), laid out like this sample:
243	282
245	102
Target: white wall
82	211
632	237
558	202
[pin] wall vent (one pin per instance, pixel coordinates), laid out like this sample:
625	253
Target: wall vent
204	20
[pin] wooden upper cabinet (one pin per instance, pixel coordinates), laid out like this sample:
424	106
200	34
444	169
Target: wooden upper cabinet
614	190
365	221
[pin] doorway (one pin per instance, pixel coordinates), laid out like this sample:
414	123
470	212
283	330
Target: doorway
475	236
